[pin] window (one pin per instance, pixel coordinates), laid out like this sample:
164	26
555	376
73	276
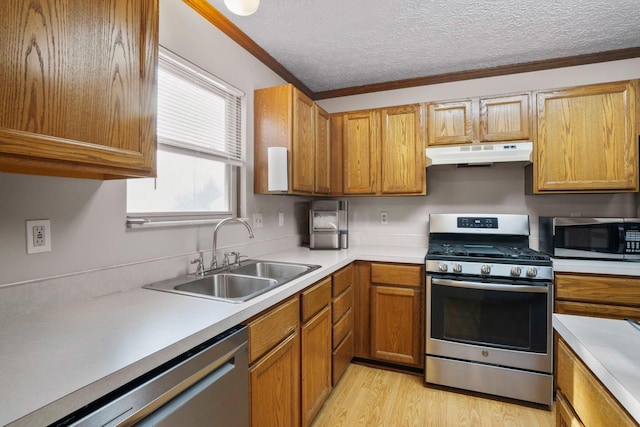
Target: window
199	149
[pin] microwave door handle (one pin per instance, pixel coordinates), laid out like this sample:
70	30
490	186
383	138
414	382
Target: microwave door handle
621	236
490	286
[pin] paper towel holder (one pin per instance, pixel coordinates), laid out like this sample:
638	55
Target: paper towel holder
277	169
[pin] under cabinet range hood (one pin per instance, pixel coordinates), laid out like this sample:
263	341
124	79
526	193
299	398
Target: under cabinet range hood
480	154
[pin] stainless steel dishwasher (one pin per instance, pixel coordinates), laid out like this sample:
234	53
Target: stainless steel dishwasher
206	386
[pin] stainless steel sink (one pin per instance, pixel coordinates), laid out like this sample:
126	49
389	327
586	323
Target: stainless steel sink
273	270
228	286
236	284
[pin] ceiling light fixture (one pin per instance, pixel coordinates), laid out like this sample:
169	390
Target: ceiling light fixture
242	7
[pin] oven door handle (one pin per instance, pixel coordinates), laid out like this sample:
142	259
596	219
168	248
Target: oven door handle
490	286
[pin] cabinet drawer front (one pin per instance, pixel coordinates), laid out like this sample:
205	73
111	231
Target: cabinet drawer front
315	299
342	328
610	290
342	304
565	416
268	330
342	280
342	357
591	401
402	275
596	310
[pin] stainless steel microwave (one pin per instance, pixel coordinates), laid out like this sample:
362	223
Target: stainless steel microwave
595	238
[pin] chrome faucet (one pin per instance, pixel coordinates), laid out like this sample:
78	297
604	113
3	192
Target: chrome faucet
214	261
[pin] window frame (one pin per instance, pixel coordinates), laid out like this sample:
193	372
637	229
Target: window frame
234	167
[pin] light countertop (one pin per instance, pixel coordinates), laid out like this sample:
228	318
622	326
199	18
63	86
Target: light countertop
625	268
610	349
56	361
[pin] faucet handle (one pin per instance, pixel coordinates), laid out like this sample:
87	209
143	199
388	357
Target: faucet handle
225	260
237	258
200	267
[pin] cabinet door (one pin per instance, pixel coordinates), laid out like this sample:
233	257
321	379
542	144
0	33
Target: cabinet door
450	123
359	147
587	139
565	416
78	87
505	118
323	152
316	364
395	325
303	143
274	389
401	150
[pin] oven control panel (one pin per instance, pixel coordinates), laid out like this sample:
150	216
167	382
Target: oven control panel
477	222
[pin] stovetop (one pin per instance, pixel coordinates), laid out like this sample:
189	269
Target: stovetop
486	253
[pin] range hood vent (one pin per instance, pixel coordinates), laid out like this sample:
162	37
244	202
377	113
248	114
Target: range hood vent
479	154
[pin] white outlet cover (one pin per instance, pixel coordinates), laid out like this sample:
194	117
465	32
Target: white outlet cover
31	249
257	220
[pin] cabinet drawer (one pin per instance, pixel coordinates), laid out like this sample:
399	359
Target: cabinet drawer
342	304
342	280
342	357
342	328
315	299
592	402
393	274
270	329
610	290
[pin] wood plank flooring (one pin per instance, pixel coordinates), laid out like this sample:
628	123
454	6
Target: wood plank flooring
368	396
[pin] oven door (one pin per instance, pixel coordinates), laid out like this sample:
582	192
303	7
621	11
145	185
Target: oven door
499	322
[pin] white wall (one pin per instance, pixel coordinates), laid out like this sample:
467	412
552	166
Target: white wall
484	190
88	217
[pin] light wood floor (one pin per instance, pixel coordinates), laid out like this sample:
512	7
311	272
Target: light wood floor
374	397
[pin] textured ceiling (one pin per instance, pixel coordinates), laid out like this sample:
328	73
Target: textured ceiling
334	44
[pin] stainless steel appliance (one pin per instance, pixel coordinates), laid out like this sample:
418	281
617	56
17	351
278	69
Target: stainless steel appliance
328	224
208	385
489	305
599	238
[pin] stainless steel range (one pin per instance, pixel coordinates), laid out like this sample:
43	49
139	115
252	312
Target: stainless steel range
489	305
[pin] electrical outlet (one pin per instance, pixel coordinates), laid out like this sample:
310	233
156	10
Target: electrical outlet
38	236
257	220
384	218
281	219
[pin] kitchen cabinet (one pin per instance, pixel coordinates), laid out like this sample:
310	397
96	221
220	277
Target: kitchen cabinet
274	366
482	119
316	348
383	152
285	117
389	316
596	295
78	92
581	397
587	139
342	321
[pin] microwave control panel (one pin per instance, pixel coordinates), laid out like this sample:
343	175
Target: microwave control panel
632	240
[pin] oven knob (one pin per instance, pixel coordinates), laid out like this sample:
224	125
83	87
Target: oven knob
457	268
516	271
485	269
532	272
442	267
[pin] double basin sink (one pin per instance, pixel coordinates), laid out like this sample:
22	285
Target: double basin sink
236	284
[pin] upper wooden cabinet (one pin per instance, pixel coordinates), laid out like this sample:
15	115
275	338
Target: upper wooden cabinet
285	117
487	119
383	152
77	97
587	139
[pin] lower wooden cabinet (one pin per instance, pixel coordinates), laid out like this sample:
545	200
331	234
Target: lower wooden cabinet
274	394
581	398
389	313
316	355
274	366
342	315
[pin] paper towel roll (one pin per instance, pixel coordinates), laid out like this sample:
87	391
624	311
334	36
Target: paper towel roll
277	177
